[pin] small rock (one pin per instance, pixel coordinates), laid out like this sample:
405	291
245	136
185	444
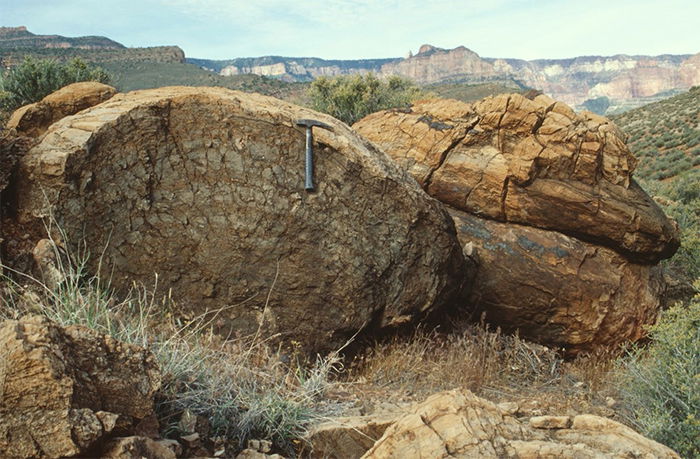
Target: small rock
172	445
610	402
136	447
550	422
191	440
511	408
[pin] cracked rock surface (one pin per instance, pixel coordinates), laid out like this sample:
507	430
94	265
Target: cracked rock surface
458	424
532	162
558	290
63	390
205	187
567	240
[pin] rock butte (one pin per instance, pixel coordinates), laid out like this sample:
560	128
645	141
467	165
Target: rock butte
204	186
571	263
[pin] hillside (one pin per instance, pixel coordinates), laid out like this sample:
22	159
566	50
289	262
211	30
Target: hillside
21	38
665	135
129	76
467	92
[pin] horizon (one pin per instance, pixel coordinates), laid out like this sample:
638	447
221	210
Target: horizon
220	29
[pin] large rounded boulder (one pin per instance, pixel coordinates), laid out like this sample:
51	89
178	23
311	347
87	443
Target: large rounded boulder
531	162
567	240
205	188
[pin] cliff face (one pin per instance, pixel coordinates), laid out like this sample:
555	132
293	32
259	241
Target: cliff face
620	78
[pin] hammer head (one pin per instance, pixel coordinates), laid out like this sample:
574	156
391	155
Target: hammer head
312	123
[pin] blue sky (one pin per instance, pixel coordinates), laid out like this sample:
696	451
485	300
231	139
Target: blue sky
354	29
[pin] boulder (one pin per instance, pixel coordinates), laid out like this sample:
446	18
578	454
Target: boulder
458	424
558	290
347	437
34	119
205	187
567	240
532	162
66	389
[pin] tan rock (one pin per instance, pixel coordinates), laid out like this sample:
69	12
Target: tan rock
550	422
458	424
64	389
532	162
136	447
204	186
34	119
346	438
558	290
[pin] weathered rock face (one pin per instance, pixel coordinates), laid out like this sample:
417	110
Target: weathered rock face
570	264
204	186
65	389
33	119
556	289
458	424
533	162
433	64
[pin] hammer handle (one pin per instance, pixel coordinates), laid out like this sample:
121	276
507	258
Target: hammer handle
309	160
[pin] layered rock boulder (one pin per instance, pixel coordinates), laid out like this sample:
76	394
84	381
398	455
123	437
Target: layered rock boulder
458	424
33	119
532	162
205	187
556	289
64	390
570	263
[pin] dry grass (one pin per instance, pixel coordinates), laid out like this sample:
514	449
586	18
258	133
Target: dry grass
496	366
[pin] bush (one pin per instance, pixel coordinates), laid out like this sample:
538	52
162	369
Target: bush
34	79
661	384
350	98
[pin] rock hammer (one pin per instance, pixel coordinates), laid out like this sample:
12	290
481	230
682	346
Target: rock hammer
309	125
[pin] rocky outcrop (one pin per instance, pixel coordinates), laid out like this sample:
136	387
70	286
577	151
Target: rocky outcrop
532	162
205	186
432	65
34	119
458	424
64	390
558	290
570	264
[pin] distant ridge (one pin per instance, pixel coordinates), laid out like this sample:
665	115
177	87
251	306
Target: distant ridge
17	42
21	38
620	80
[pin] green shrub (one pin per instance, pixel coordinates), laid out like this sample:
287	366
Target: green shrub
661	383
34	79
350	98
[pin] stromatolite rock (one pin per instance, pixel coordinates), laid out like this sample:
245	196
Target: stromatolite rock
532	162
204	186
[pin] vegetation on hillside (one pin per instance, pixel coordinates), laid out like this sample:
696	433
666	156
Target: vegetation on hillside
661	382
665	136
352	97
472	92
34	79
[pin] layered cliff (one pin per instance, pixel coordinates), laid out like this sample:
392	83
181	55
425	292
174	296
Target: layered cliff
619	78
